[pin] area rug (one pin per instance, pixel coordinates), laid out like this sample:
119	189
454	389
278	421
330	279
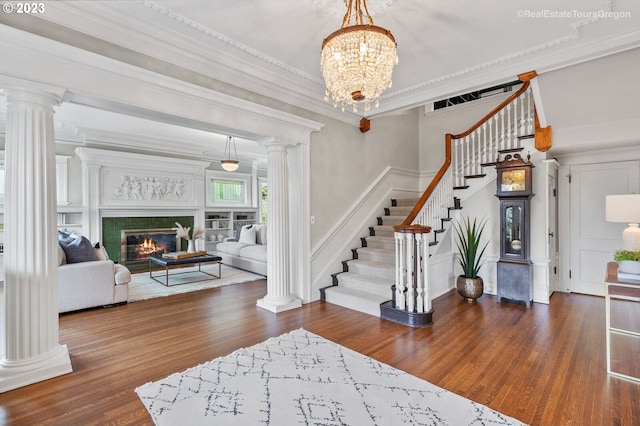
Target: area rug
300	378
142	287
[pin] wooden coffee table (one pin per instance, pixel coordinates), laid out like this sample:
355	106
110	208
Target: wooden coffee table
198	260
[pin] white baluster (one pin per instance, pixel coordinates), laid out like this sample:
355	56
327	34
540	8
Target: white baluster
426	280
410	250
420	241
523	115
509	140
485	147
473	160
400	269
493	136
502	141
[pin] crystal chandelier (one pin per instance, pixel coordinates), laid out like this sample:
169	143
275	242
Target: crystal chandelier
228	164
357	60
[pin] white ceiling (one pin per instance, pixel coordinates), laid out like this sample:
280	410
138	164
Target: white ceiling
272	48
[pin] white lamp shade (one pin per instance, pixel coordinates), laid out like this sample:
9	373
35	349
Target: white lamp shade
623	208
230	165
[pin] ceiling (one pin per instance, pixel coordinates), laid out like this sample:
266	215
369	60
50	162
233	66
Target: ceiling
272	48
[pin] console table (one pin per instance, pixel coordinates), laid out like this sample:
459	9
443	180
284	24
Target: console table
198	260
626	290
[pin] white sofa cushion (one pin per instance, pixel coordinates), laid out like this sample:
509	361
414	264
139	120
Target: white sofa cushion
254	252
231	247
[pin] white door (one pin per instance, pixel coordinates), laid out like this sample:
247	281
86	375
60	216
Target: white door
594	240
552	241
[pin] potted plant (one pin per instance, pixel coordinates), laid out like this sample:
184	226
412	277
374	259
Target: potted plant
628	261
471	252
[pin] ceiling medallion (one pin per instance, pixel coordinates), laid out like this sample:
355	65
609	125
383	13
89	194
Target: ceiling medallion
357	60
336	8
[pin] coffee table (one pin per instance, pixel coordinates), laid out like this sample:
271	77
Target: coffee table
197	260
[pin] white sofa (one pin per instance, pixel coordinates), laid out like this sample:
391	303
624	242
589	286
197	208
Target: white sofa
248	251
91	284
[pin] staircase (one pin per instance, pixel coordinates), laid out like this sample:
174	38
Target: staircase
389	275
368	278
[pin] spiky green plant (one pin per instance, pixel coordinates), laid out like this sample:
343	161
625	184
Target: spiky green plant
468	243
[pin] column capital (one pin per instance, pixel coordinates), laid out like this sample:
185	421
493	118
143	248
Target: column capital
35	96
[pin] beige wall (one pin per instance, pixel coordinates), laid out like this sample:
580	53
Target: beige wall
344	162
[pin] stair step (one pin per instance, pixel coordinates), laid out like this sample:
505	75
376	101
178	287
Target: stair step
366	267
526	137
461	187
376	254
399	211
409	201
381	242
391	220
383	230
506	151
366	283
354	299
474	176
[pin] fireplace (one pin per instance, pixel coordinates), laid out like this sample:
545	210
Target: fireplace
136	245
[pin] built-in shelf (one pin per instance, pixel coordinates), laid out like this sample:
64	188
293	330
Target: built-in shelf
221	224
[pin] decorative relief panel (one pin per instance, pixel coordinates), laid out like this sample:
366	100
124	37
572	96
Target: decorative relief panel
125	188
149	188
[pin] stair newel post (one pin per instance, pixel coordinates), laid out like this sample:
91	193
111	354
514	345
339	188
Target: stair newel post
410	248
400	269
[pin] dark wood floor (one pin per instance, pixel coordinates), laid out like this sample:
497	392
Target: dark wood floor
544	365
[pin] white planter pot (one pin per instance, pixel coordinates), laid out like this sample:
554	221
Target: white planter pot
629	267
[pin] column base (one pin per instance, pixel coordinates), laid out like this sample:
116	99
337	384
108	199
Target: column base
16	374
269	305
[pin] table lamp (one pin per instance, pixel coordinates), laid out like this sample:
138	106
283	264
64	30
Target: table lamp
625	209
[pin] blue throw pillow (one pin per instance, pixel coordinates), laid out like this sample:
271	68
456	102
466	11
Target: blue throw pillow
77	249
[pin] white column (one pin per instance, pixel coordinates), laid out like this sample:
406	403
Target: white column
32	351
299	220
91	200
278	296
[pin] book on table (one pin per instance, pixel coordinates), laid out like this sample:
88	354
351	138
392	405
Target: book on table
183	254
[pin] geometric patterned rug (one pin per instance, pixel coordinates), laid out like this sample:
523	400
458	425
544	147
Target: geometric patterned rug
300	378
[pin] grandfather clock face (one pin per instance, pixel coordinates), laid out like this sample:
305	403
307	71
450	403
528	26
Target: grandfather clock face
513	180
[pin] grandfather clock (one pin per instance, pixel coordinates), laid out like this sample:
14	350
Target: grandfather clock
515	271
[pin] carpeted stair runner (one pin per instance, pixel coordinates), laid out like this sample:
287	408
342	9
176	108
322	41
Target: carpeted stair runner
367	278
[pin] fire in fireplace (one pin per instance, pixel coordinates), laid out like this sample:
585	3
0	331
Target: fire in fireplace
136	245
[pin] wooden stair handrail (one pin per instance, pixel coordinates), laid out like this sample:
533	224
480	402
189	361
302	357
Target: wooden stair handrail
406	226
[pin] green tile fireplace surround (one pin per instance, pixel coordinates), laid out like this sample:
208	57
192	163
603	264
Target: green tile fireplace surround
111	227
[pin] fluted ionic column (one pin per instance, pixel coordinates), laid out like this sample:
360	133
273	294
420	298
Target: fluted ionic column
32	350
278	296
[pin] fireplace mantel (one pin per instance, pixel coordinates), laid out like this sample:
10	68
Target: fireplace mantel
129	184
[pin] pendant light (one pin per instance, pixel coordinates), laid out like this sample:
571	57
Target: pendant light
228	164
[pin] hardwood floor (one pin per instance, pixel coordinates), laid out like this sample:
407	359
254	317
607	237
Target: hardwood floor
544	365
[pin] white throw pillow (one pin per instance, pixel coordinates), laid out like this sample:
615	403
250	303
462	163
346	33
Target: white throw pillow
247	236
261	234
